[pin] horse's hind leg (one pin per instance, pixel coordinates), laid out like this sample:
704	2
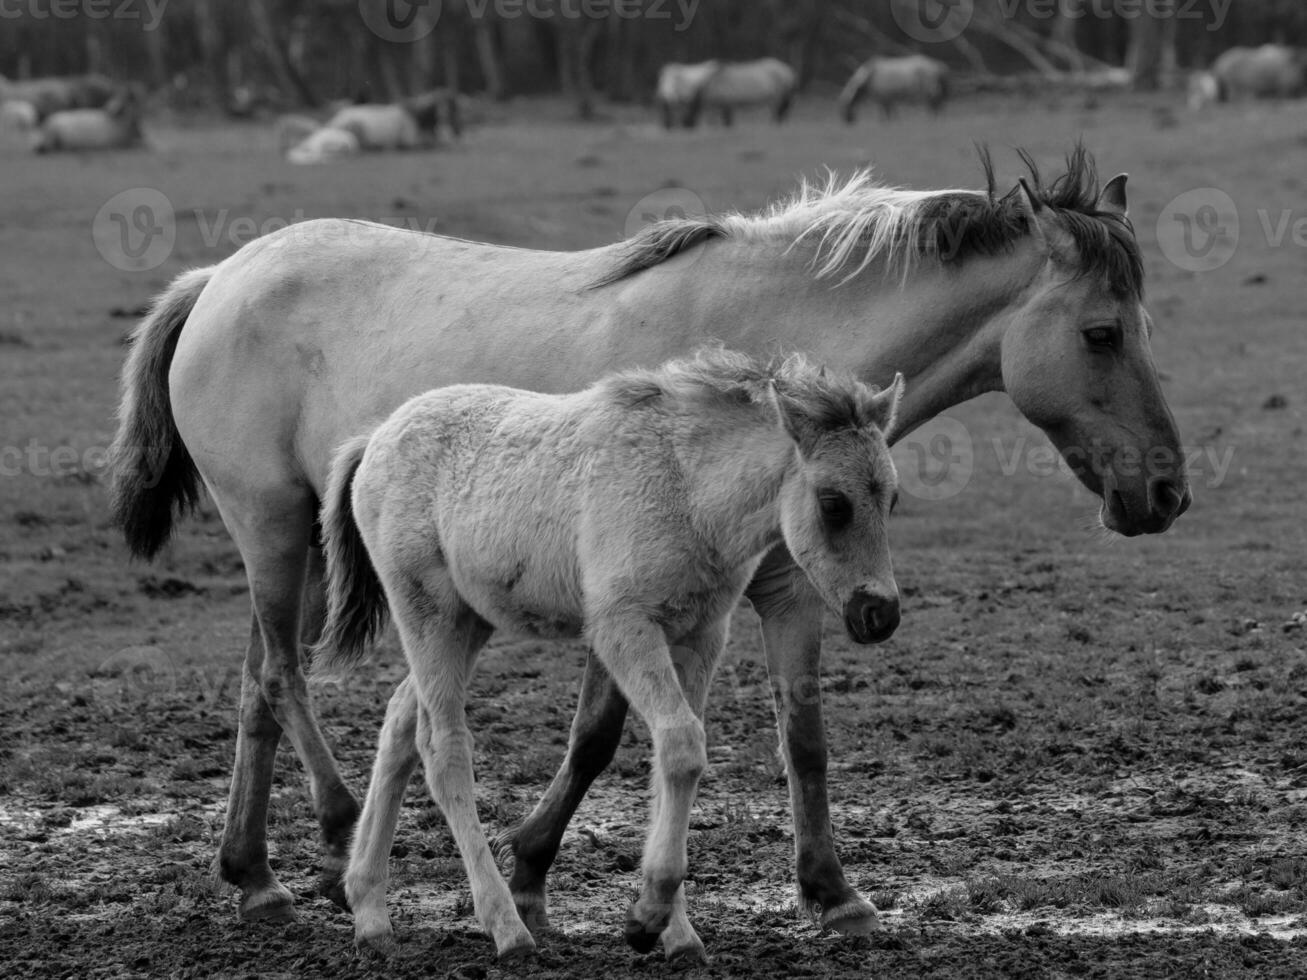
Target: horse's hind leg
441	647
791	613
368	874
596	733
274	543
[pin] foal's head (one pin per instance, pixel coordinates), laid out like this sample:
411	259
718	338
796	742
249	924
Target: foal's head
836	500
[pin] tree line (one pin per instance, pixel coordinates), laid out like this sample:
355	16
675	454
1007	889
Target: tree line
310	51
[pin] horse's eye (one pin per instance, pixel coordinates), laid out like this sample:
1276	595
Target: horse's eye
1102	338
836	511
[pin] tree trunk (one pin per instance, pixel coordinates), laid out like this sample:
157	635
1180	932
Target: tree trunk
265	31
1143	57
488	57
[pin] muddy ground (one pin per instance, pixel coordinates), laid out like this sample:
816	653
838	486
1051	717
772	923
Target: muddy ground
1080	756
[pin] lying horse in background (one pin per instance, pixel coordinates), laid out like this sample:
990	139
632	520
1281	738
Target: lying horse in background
1037	292
633	513
684	91
404	125
59	93
324	144
117	126
1272	71
889	81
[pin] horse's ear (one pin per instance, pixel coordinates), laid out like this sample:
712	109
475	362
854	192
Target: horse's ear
881	408
1032	207
1112	200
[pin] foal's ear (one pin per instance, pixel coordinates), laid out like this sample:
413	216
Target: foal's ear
785	415
881	408
1112	200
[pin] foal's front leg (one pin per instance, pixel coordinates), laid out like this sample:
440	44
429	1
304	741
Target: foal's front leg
791	613
633	649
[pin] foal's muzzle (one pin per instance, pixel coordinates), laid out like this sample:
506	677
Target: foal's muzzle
871	618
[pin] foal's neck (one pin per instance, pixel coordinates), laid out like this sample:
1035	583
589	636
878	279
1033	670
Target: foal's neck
734	471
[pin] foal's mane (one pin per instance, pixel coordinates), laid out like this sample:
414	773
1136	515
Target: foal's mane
857	221
828	399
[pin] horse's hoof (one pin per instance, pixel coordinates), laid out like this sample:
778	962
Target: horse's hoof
856	917
378	943
332	886
640	937
687	956
531	910
276	910
520	948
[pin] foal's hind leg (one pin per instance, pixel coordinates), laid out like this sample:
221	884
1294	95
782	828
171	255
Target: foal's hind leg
274	542
596	733
791	613
368	874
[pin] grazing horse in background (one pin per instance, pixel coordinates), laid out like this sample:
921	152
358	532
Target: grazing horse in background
633	513
248	374
684	91
58	93
889	81
117	126
1272	71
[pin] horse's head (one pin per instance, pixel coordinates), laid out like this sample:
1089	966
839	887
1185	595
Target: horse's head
836	501
1077	361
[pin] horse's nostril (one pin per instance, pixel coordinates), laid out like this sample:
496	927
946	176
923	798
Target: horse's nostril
1168	498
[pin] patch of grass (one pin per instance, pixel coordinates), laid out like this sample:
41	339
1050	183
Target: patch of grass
30	888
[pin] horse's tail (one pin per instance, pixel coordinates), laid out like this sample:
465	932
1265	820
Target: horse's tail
356	603
151	472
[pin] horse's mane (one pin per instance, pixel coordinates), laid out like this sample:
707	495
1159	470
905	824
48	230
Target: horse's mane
857	221
827	398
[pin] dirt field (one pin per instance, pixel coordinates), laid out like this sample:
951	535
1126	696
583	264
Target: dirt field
1079	756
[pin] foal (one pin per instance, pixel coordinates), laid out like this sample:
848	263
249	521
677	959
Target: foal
635	513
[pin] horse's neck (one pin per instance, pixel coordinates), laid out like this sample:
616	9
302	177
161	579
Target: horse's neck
941	325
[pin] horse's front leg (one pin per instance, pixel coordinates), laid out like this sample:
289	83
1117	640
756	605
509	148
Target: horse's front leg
791	613
596	734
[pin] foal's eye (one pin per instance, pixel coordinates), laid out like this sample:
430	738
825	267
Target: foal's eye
836	510
1102	338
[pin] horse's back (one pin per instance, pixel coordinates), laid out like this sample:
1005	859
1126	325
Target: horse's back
377	126
745	82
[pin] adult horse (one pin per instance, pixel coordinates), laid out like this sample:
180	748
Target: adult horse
117	126
889	81
248	374
1272	71
58	93
684	91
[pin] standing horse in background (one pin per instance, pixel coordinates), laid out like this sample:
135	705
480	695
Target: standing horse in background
633	513
1272	71
889	81
684	91
248	375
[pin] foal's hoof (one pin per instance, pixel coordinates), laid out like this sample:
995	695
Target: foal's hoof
856	917
640	935
377	944
518	949
687	956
